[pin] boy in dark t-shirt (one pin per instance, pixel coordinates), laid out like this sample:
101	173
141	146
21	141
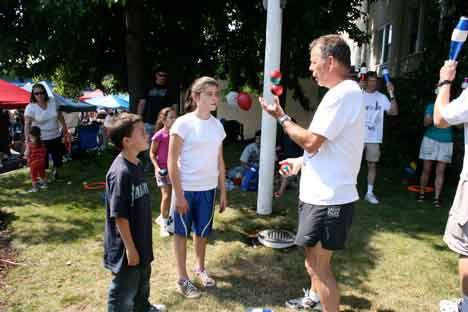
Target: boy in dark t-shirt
128	250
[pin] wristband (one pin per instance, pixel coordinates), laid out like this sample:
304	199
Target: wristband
283	119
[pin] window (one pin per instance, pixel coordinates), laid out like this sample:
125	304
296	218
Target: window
384	38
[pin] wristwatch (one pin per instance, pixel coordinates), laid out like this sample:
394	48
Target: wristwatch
283	119
443	82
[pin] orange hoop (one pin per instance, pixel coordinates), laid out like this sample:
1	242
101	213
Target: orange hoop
417	189
94	185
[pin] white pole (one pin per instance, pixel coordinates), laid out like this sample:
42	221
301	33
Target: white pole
268	140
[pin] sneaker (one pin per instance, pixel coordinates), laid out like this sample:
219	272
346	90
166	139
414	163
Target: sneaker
450	305
170	227
188	290
370	197
163	231
310	301
204	278
159	220
43	186
34	189
157	308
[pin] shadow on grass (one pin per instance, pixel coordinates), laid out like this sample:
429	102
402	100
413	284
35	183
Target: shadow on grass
251	278
55	230
6	218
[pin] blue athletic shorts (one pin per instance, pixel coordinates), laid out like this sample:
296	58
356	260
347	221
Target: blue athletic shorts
199	217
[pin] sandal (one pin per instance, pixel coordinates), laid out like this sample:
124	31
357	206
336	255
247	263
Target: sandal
421	197
436	203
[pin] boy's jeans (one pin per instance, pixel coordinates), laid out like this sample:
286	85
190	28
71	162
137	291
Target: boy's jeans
129	289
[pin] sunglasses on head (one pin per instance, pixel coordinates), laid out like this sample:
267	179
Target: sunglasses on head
39	93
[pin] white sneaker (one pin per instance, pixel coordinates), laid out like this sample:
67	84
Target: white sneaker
170	226
34	189
370	197
310	301
205	279
163	231
450	305
159	220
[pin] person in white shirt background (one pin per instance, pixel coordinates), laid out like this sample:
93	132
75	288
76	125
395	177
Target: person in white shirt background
376	103
43	112
447	114
251	154
333	147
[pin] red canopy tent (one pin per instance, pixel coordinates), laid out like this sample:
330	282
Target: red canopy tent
91	94
12	97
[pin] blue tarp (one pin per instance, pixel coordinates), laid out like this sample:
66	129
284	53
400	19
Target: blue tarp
110	101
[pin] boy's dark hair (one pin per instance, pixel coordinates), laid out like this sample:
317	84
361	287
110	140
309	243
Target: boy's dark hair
121	127
371	74
36	132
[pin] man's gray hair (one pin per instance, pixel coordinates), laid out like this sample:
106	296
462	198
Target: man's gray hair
333	45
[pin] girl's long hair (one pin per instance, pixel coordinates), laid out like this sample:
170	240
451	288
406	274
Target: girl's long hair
195	89
162	116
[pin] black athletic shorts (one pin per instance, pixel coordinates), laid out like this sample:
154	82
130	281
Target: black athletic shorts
328	225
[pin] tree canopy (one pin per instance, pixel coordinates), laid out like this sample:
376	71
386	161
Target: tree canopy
78	43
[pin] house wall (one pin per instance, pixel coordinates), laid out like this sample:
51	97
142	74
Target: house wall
407	20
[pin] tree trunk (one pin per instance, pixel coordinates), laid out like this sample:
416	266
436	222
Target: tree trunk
134	15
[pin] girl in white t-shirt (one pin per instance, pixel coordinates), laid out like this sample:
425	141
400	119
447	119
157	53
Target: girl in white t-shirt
196	168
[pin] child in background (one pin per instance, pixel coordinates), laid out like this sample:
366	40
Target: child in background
158	154
36	157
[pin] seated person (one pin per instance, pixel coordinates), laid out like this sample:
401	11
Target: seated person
251	154
287	149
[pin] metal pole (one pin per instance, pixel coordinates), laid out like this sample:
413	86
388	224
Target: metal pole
268	139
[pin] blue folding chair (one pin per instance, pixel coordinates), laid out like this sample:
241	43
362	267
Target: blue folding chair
88	139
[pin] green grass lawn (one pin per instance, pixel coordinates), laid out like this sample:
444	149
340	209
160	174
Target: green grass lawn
396	260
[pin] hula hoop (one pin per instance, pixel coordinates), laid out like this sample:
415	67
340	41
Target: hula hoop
417	189
94	185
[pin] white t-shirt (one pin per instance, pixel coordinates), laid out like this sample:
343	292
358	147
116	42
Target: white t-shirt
251	154
45	119
375	103
457	113
329	176
198	161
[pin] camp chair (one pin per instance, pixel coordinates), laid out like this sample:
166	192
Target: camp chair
87	139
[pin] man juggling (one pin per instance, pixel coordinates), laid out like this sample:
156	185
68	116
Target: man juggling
448	113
